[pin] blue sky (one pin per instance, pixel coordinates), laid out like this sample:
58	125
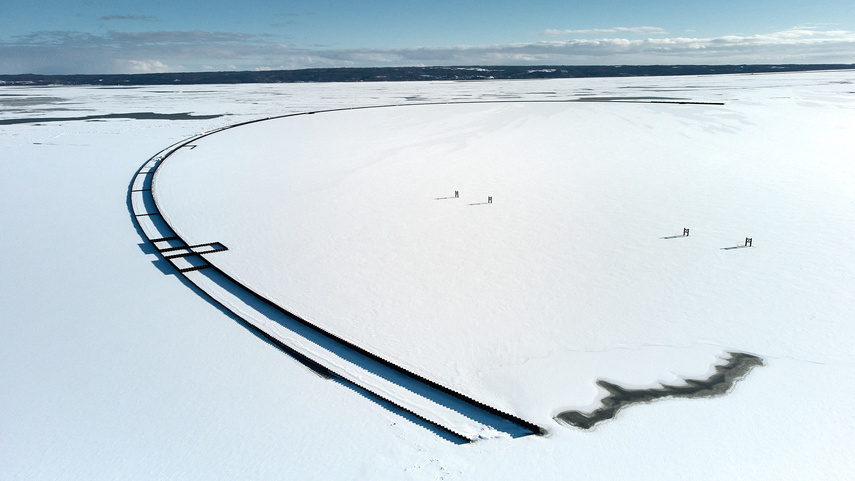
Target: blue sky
94	36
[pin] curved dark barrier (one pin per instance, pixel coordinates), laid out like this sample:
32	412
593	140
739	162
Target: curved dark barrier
174	244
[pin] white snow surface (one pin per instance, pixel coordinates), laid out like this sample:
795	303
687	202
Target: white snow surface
111	369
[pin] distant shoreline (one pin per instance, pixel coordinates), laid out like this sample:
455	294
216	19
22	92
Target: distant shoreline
406	74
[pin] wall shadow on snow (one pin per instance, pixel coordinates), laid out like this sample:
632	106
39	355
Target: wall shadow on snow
211	276
371	363
166	268
249	307
442	433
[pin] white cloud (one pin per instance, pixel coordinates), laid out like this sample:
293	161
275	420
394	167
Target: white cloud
147	66
126	17
186	37
793	46
605	31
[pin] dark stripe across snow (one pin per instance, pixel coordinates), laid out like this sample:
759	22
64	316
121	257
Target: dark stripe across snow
130	115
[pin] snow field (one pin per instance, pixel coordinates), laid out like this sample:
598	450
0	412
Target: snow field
341	218
111	369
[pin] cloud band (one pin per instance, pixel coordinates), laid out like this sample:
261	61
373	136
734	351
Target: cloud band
118	52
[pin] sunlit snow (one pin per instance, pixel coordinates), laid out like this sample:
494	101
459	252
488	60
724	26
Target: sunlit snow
577	272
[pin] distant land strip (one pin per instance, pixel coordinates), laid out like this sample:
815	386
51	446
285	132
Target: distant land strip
403	74
718	384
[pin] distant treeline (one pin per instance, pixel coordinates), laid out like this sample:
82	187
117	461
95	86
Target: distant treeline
403	74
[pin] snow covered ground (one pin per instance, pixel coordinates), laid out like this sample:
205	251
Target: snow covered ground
109	368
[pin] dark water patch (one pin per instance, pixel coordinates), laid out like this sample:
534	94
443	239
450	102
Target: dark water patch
499	94
656	88
27	101
718	384
51	109
612	99
649	100
182	91
131	115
